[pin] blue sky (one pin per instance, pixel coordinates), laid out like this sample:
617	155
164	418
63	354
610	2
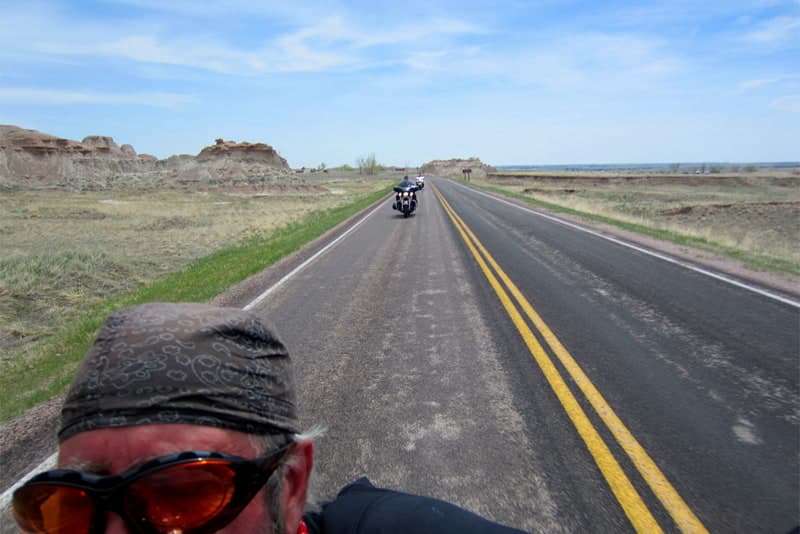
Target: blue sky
511	82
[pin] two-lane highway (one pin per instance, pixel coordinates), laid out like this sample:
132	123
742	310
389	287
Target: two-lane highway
538	374
670	401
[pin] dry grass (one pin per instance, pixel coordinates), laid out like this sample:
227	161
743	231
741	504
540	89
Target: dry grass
756	213
63	252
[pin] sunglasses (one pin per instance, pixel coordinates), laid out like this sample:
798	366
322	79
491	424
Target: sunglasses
186	492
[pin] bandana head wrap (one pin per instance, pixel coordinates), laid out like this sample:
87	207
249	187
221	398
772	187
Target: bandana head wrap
183	363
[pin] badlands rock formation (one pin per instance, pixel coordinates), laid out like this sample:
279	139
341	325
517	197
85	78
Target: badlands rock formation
453	167
245	152
33	159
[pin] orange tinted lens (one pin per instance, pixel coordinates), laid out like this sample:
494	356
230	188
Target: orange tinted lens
53	509
184	496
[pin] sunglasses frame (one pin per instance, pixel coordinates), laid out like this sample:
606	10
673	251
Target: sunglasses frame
108	492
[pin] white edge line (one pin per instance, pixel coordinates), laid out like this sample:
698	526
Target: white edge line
300	267
5	498
649	252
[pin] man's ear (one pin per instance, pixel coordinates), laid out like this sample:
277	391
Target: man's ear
295	483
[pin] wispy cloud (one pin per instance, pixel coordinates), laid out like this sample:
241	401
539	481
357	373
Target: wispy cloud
790	103
328	43
592	59
333	42
62	97
285	55
749	85
775	30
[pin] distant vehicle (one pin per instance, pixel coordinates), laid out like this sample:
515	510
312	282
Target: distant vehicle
420	181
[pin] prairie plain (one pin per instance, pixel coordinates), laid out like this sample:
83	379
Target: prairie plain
752	217
64	251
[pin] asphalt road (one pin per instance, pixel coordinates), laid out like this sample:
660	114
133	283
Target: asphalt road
539	375
407	355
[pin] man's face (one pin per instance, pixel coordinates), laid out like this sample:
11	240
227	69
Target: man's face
113	450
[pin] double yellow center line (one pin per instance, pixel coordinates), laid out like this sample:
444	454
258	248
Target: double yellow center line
632	504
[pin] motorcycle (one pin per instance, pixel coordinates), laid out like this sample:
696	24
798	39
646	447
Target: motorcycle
405	198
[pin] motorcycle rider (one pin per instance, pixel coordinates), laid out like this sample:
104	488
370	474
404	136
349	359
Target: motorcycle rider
405	185
182	418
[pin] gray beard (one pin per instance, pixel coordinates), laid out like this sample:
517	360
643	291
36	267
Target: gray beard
277	524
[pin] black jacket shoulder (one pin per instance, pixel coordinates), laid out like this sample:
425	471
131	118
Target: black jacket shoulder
363	508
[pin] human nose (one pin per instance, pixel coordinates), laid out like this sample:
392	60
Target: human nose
115	525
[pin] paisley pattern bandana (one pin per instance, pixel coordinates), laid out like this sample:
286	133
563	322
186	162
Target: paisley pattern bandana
183	363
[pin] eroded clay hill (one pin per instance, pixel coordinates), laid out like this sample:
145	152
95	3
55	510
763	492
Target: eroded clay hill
33	159
455	167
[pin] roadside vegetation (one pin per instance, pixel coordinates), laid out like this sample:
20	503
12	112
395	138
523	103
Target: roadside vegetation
368	165
70	259
749	216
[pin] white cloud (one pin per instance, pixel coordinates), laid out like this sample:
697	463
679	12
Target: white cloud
774	30
593	60
327	43
333	42
783	81
580	61
62	97
790	103
421	33
150	49
755	84
426	60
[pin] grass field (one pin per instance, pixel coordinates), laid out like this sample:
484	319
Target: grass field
69	259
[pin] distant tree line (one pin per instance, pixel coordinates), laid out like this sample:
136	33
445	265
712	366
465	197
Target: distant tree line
368	165
704	168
